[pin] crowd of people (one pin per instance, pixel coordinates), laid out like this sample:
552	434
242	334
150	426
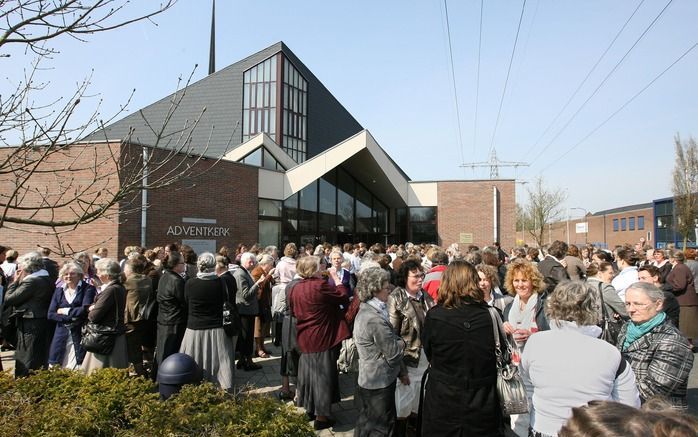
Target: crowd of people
596	334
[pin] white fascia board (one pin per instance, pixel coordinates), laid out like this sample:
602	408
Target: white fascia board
423	194
271	184
302	175
261	140
395	177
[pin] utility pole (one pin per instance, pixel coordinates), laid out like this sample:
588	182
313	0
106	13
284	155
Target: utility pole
494	164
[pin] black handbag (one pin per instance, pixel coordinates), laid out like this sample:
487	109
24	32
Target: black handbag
100	339
228	325
510	387
610	328
149	311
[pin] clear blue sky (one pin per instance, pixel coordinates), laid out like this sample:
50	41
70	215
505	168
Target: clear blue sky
388	63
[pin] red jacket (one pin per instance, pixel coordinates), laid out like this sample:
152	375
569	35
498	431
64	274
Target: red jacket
321	324
432	280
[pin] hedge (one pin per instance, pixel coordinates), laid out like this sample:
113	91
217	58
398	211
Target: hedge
60	402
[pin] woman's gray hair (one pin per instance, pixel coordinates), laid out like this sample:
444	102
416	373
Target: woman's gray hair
71	267
206	262
109	267
30	262
370	282
650	290
246	257
574	301
265	259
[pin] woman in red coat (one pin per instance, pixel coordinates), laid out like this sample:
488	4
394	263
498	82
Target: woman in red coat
320	330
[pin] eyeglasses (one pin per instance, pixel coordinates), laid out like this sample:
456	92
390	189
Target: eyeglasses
420	276
640	306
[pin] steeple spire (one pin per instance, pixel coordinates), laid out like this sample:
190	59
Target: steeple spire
212	50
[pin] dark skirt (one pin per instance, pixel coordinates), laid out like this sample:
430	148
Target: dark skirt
460	408
377	413
169	340
32	346
318	381
289	351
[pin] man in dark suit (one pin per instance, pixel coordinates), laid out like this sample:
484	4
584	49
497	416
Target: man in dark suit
551	267
50	265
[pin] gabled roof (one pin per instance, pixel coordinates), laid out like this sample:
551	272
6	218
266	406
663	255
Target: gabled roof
261	140
360	155
216	102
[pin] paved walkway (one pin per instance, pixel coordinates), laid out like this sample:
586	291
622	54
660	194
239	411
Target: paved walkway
268	380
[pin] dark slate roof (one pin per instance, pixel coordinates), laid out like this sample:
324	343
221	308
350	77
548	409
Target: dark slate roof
221	94
624	209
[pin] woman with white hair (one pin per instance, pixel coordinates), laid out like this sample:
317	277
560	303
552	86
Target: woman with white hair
108	310
380	355
658	353
28	299
572	347
69	310
204	339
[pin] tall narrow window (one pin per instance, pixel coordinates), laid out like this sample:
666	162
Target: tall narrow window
295	112
259	99
266	107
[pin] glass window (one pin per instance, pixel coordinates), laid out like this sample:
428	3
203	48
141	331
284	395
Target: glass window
622	224
424	233
615	225
640	222
254	158
381	216
422	214
308	208
631	223
269	161
345	202
291	214
269	208
269	232
664	222
364	212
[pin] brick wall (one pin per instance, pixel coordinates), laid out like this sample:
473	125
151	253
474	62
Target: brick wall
601	231
84	169
222	191
466	207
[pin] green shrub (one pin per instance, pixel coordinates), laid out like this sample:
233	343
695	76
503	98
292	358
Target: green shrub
108	402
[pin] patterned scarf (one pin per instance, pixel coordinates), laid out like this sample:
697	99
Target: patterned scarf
636	331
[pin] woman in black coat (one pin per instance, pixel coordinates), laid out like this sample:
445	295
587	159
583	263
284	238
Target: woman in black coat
172	308
28	298
460	396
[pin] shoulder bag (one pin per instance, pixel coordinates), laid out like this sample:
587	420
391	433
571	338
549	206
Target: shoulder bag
100	339
149	310
510	386
609	327
228	325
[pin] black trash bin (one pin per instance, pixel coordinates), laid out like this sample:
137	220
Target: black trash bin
175	371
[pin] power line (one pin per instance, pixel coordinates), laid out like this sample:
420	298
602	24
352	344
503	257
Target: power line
579	87
477	80
637	41
593	131
506	81
455	90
